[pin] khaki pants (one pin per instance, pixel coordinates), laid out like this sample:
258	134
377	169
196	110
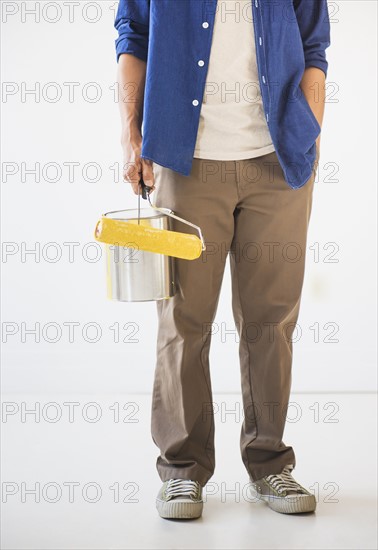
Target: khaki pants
247	210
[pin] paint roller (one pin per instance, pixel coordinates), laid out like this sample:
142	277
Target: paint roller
140	235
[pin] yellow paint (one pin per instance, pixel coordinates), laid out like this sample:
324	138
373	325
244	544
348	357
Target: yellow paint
144	237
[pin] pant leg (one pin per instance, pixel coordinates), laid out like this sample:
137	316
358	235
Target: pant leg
267	268
182	422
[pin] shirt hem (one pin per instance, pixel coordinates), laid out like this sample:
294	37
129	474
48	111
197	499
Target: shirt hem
166	165
241	156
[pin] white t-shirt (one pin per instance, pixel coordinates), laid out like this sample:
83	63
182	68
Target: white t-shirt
232	122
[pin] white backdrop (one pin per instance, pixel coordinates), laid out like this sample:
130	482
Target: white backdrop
68	130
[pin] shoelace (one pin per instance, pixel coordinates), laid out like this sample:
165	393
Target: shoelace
284	482
182	487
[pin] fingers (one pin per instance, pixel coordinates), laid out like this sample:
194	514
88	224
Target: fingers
133	171
148	174
131	174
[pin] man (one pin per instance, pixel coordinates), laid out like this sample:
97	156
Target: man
221	106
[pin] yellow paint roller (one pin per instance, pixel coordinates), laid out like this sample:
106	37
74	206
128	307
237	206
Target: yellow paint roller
140	235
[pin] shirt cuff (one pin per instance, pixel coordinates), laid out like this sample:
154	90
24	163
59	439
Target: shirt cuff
320	64
124	46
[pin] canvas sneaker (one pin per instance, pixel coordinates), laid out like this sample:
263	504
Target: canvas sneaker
180	499
282	493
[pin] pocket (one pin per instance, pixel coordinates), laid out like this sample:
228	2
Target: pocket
309	111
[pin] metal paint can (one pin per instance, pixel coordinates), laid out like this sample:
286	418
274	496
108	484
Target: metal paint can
137	275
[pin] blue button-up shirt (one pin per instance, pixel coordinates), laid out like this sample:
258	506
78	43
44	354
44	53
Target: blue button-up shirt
172	35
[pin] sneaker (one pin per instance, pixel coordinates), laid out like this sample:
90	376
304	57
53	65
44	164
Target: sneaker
180	499
283	494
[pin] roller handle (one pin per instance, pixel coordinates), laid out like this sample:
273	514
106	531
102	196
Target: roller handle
145	188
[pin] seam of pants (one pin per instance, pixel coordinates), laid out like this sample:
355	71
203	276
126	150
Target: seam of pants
211	400
249	354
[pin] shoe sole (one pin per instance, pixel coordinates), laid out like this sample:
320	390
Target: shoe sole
288	505
179	509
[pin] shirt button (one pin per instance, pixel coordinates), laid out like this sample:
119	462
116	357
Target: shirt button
205	25
201	63
256	3
263	79
260	40
195	102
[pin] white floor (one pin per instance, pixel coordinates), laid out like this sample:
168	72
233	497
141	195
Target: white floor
108	466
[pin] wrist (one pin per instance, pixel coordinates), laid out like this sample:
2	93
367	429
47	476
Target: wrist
131	133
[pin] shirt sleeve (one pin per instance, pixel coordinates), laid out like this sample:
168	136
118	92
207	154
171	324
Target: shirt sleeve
132	23
314	26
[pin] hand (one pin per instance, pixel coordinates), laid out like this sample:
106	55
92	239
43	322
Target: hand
317	144
133	166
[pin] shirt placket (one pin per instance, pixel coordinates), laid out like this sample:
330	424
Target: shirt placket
200	62
260	54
